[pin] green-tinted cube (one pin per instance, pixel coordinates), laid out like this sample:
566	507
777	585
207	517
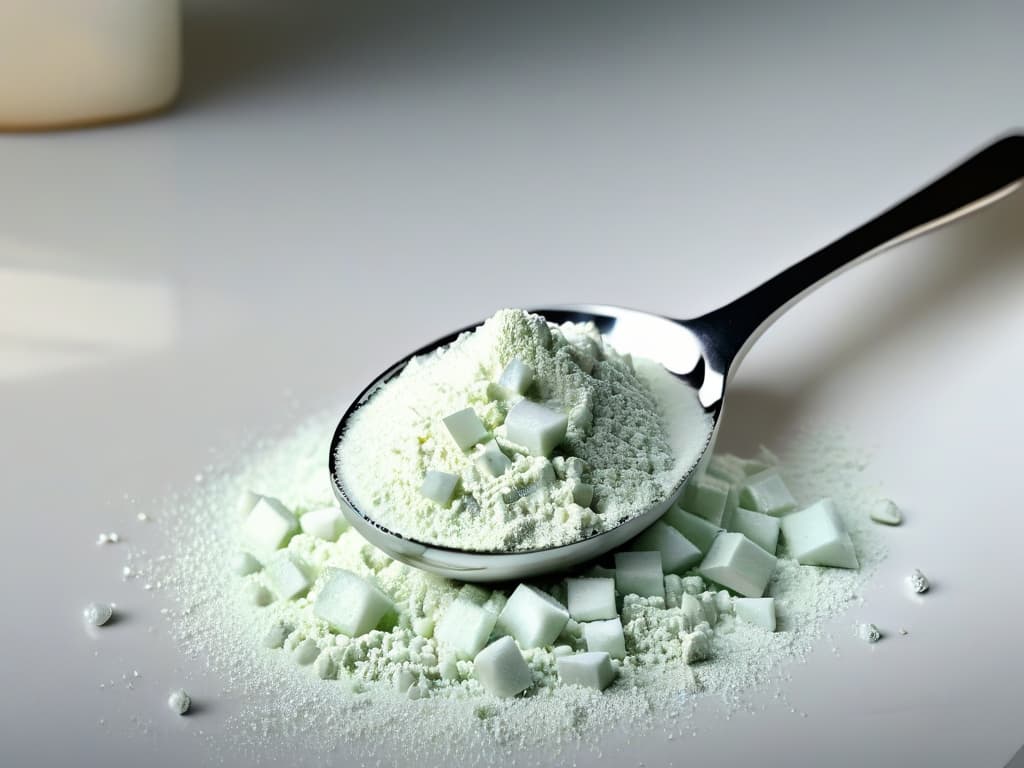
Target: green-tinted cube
591	599
466	428
350	604
761	529
734	561
590	669
605	636
439	486
696	529
501	668
268	527
535	427
464	628
639	573
491	461
706	497
817	536
288	576
677	552
516	377
767	492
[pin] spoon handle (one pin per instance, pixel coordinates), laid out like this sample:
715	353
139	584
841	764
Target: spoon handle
987	176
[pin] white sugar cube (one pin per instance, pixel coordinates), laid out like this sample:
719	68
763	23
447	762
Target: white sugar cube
726	467
590	669
466	428
817	536
678	554
268	527
501	669
760	528
491	461
732	501
605	636
697	530
475	594
591	599
753	466
582	493
756	610
464	628
734	561
535	427
246	501
439	486
532	617
243	564
288	577
326	523
766	492
706	497
516	377
639	573
350	604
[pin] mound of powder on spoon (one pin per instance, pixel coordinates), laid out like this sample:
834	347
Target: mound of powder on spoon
520	435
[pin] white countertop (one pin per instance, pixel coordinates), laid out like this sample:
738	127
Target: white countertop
342	184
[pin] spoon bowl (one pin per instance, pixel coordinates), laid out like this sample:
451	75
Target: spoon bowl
702	352
668	342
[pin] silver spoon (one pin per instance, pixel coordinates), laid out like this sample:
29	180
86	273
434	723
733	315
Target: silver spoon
703	351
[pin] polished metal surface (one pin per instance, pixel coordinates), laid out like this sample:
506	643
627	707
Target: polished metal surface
702	351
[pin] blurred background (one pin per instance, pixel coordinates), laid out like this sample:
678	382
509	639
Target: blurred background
339	182
446	158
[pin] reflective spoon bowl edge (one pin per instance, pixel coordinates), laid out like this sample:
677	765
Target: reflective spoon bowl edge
703	351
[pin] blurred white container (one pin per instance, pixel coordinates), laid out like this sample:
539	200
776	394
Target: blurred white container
65	63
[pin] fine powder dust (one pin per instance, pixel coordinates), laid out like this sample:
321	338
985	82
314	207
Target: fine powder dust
381	693
635	450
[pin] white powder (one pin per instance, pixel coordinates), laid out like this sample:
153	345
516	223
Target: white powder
384	683
638	430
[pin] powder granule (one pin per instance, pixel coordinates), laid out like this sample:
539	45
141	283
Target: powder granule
97	614
633	457
869	633
179	702
918	581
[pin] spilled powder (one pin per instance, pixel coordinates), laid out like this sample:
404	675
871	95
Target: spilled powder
282	707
